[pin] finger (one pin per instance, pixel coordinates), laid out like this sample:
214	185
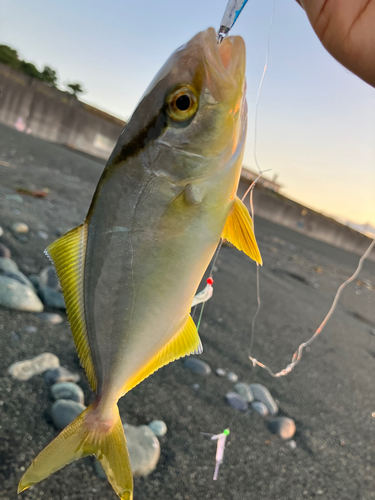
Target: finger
346	29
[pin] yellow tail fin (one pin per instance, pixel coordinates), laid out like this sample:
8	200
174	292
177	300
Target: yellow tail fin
80	439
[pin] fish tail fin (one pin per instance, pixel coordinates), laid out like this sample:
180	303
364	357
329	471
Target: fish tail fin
87	435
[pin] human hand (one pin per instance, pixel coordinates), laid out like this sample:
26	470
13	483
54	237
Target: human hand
346	28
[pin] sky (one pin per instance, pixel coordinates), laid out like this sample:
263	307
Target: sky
316	121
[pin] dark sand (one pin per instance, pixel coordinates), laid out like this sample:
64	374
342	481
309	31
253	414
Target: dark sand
330	395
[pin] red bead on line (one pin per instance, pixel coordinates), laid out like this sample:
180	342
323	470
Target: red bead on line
210	281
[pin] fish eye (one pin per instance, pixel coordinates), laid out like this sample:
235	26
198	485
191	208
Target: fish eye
182	103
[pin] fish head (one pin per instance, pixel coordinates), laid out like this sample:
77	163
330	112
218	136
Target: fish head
191	121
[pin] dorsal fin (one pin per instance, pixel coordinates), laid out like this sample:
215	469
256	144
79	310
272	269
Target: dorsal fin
239	231
185	341
68	256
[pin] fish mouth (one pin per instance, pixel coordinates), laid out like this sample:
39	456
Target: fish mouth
225	65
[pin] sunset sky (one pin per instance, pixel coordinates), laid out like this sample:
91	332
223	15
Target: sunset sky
316	121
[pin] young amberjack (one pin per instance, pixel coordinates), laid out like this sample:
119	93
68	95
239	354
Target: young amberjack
130	271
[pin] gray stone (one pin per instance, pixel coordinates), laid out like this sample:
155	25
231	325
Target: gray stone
1	231
60	374
34	280
68	390
20	277
195	387
5	252
51	297
53	318
20	228
64	411
372	331
197	366
24	370
260	408
15	295
43	235
8	265
283	426
22	238
31	329
292	444
14	197
221	372
235	400
47	277
158	427
232	377
263	395
244	391
144	449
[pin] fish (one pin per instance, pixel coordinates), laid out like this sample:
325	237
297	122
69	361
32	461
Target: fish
130	272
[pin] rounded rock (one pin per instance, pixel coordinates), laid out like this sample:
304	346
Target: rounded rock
67	390
31	329
144	449
263	395
158	427
8	265
232	377
197	366
221	372
51	297
53	318
1	231
24	370
47	277
260	408
5	253
20	228
283	426
64	411
60	374
235	401
16	295
244	391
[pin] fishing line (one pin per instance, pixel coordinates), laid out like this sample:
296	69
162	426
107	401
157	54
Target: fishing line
298	353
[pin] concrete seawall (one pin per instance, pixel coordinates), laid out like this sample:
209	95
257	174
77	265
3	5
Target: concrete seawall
281	210
31	106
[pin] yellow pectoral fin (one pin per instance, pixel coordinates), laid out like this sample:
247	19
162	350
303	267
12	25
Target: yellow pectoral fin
186	341
239	231
68	256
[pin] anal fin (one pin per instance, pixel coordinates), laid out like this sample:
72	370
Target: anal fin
186	341
68	256
239	231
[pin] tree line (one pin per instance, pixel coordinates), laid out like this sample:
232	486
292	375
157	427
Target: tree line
10	57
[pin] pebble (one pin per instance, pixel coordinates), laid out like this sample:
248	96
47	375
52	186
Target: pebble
221	372
20	277
244	391
263	395
31	329
68	390
144	450
235	400
260	408
283	426
47	277
8	265
197	366
232	377
24	370
372	331
51	297
34	280
60	374
53	318
22	238
20	228
292	444
15	295
43	235
195	387
64	411
158	427
1	231
5	252
14	197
